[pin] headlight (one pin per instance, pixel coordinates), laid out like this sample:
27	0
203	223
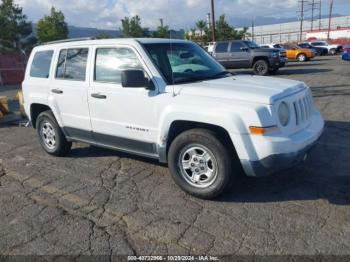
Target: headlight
283	113
275	54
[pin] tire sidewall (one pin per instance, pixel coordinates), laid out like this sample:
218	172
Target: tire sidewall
221	156
262	73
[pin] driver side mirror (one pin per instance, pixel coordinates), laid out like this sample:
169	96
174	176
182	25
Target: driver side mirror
133	78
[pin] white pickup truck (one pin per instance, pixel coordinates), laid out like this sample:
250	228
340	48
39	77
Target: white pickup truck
168	100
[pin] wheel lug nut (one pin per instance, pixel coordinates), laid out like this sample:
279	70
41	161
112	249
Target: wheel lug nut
197	170
195	159
192	164
202	168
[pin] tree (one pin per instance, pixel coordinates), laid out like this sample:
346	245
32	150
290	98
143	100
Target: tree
162	32
52	27
131	27
14	27
201	25
102	35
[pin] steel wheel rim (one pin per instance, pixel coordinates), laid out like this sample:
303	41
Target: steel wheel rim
48	135
198	166
261	67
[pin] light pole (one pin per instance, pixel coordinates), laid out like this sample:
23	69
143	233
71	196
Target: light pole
213	20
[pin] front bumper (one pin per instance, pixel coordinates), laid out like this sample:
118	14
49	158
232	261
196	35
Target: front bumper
295	150
277	62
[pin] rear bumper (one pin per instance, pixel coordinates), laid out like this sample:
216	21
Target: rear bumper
289	151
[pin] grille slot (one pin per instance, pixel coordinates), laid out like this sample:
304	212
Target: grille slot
302	109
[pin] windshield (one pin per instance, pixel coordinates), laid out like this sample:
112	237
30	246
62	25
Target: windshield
184	62
251	44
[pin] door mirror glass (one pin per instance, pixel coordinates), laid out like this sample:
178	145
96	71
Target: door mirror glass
134	78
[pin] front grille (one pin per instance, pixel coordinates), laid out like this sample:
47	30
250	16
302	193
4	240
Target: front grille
283	54
303	109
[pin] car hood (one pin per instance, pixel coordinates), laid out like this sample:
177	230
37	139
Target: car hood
256	89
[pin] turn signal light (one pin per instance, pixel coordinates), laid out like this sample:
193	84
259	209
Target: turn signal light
254	130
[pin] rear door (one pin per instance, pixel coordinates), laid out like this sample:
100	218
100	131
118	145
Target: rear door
238	57
221	53
68	91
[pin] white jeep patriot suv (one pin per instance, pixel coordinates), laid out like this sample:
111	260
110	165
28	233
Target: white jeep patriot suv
168	100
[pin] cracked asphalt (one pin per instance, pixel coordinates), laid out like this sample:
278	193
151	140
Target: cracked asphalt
101	202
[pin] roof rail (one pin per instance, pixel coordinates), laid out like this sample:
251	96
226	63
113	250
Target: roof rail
69	40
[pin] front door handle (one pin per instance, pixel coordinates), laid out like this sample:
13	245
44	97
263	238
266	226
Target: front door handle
98	96
57	91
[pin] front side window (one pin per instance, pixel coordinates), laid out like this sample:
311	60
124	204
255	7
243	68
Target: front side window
184	62
236	47
110	62
72	64
41	64
221	47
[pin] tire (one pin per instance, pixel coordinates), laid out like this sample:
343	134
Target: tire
50	135
301	58
261	67
189	148
333	51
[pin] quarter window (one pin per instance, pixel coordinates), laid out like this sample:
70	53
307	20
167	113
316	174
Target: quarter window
110	62
72	64
41	64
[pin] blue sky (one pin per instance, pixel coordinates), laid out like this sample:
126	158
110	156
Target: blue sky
106	14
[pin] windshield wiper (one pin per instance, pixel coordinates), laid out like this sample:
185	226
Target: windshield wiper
223	73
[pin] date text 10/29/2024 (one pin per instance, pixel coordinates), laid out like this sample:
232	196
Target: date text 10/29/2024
173	258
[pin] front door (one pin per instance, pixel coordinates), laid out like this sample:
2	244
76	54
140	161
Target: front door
239	55
123	118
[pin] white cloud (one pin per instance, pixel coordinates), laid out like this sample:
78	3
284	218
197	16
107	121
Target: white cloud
176	13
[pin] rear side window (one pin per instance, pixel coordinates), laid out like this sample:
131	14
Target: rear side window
41	64
221	47
110	62
72	64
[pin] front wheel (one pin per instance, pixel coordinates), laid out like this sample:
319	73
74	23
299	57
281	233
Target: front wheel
261	67
200	163
301	58
333	51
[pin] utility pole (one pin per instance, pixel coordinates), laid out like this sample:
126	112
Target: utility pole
301	11
330	18
320	15
161	22
313	8
213	20
253	36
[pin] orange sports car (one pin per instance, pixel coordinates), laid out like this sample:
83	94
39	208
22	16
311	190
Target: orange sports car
294	52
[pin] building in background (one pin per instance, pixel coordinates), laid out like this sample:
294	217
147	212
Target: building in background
290	32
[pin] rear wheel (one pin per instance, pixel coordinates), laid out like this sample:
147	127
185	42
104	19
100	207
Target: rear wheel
200	163
333	51
50	135
301	58
261	67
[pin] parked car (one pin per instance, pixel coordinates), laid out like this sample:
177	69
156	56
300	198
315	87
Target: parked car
247	54
346	54
272	45
294	52
168	100
320	51
332	49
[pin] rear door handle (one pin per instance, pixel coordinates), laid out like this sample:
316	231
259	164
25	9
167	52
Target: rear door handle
57	91
98	96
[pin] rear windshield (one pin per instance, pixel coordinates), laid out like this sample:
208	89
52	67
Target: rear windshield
41	64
